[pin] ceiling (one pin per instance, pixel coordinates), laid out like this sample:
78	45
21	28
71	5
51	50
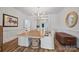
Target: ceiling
41	10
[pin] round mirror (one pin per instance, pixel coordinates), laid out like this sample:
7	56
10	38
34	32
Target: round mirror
71	19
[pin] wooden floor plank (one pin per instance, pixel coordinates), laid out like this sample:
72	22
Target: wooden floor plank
23	49
26	50
19	49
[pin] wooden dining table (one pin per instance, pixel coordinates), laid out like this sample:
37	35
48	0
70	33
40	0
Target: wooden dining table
32	34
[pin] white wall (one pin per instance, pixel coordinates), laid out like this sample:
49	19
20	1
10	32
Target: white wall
33	22
61	26
55	22
11	32
52	22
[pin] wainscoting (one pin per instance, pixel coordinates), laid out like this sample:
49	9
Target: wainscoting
10	46
1	37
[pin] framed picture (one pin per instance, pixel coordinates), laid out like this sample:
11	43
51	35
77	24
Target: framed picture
10	21
71	19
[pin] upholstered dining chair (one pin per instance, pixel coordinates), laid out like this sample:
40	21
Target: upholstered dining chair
23	41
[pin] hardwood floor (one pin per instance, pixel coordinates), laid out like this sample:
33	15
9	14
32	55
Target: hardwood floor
12	46
58	48
23	49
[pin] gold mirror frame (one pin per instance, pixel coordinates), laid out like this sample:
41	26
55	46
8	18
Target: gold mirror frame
71	19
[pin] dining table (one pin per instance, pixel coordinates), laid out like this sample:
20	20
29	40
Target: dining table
34	36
